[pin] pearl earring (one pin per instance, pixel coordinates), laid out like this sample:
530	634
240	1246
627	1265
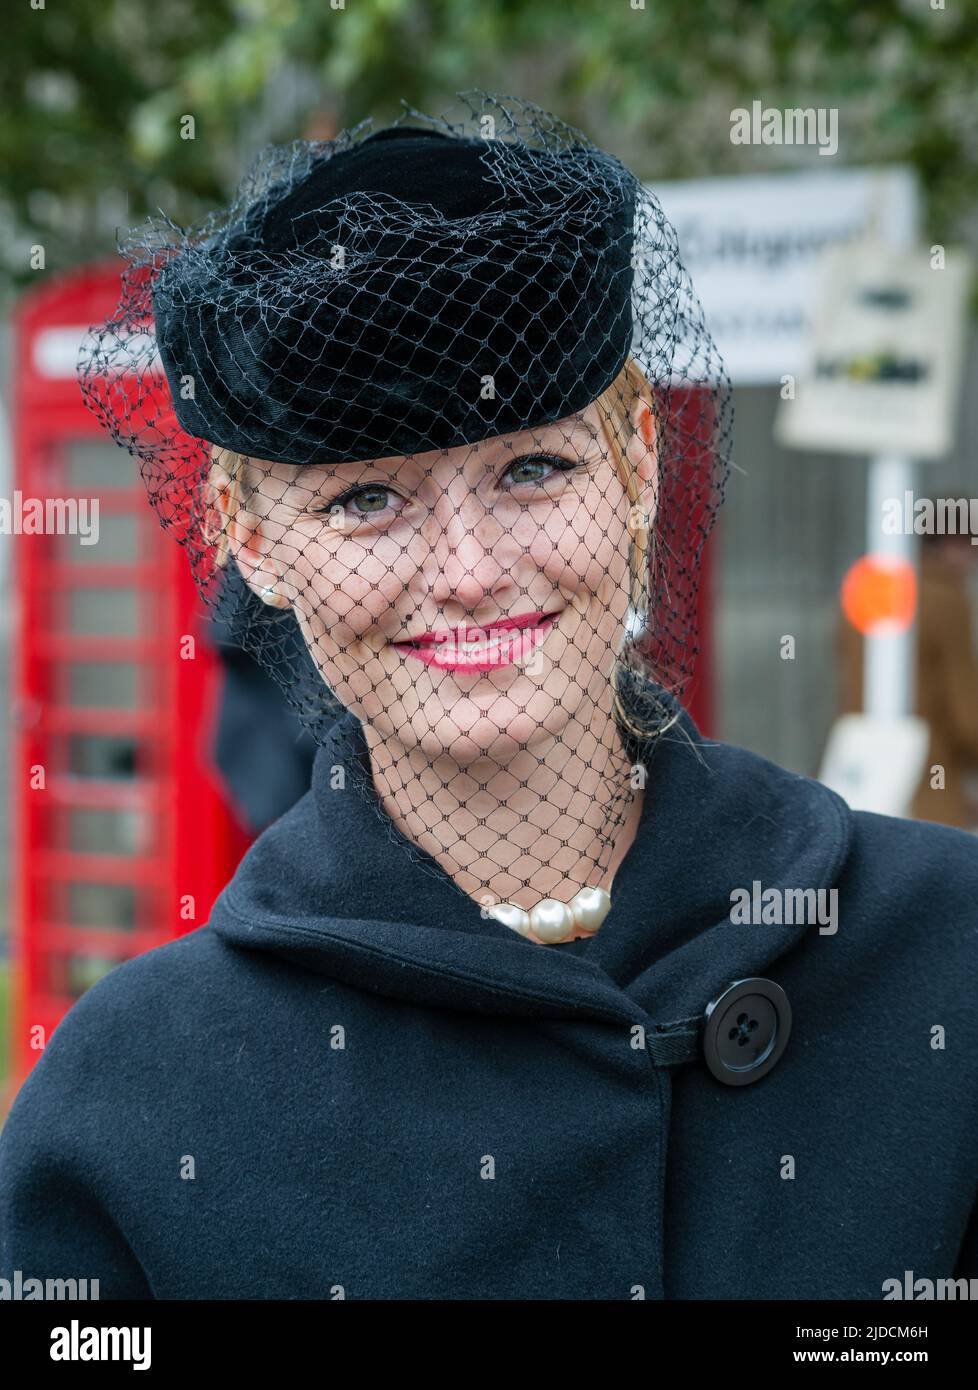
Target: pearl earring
635	622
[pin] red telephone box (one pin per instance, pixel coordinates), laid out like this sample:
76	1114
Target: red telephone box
122	837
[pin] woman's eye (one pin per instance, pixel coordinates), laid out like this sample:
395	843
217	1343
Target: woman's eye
523	470
371	499
367	499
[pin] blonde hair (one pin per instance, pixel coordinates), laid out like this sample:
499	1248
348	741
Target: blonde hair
239	489
616	404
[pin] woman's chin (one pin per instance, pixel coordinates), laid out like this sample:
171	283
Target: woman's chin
480	726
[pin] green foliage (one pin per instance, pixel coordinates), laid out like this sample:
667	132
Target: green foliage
96	91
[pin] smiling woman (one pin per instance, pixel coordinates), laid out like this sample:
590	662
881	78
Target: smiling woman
475	1019
468	432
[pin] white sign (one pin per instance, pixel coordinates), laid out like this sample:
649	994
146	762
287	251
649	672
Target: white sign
753	246
876	764
886	358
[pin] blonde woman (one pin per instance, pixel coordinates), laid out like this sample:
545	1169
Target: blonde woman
537	994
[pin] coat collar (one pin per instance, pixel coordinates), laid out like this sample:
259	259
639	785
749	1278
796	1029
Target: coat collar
334	888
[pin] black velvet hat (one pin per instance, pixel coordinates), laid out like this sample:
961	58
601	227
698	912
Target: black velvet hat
411	291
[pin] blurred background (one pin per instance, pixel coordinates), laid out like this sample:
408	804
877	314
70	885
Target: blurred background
127	800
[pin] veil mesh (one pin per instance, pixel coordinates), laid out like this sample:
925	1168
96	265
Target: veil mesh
435	415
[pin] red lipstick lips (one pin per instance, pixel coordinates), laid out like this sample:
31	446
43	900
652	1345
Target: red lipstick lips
501	643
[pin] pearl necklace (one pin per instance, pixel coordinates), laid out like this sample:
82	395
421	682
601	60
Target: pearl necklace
551	920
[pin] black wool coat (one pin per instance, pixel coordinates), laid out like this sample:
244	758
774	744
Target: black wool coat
350	1084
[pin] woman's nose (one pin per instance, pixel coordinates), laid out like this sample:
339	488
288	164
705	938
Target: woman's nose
456	551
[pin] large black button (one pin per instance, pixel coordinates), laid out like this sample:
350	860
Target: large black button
747	1028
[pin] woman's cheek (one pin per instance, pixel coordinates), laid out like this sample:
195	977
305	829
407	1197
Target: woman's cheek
592	564
350	590
340	575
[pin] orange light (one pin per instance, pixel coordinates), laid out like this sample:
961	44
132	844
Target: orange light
879	594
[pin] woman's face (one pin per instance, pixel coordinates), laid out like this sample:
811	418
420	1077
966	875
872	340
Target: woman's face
466	600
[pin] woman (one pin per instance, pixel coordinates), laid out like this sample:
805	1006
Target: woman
537	994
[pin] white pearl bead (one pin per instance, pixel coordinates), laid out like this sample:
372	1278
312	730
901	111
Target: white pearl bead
511	916
590	907
551	920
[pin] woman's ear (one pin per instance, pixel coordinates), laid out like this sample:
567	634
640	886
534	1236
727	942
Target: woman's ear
643	450
243	536
644	421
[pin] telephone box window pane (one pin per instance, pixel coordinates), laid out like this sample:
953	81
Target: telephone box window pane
104	905
94	831
117	542
103	612
101	683
101	755
92	465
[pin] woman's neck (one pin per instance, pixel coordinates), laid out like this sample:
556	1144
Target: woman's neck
557	817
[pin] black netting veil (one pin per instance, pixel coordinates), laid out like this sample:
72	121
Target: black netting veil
434	412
